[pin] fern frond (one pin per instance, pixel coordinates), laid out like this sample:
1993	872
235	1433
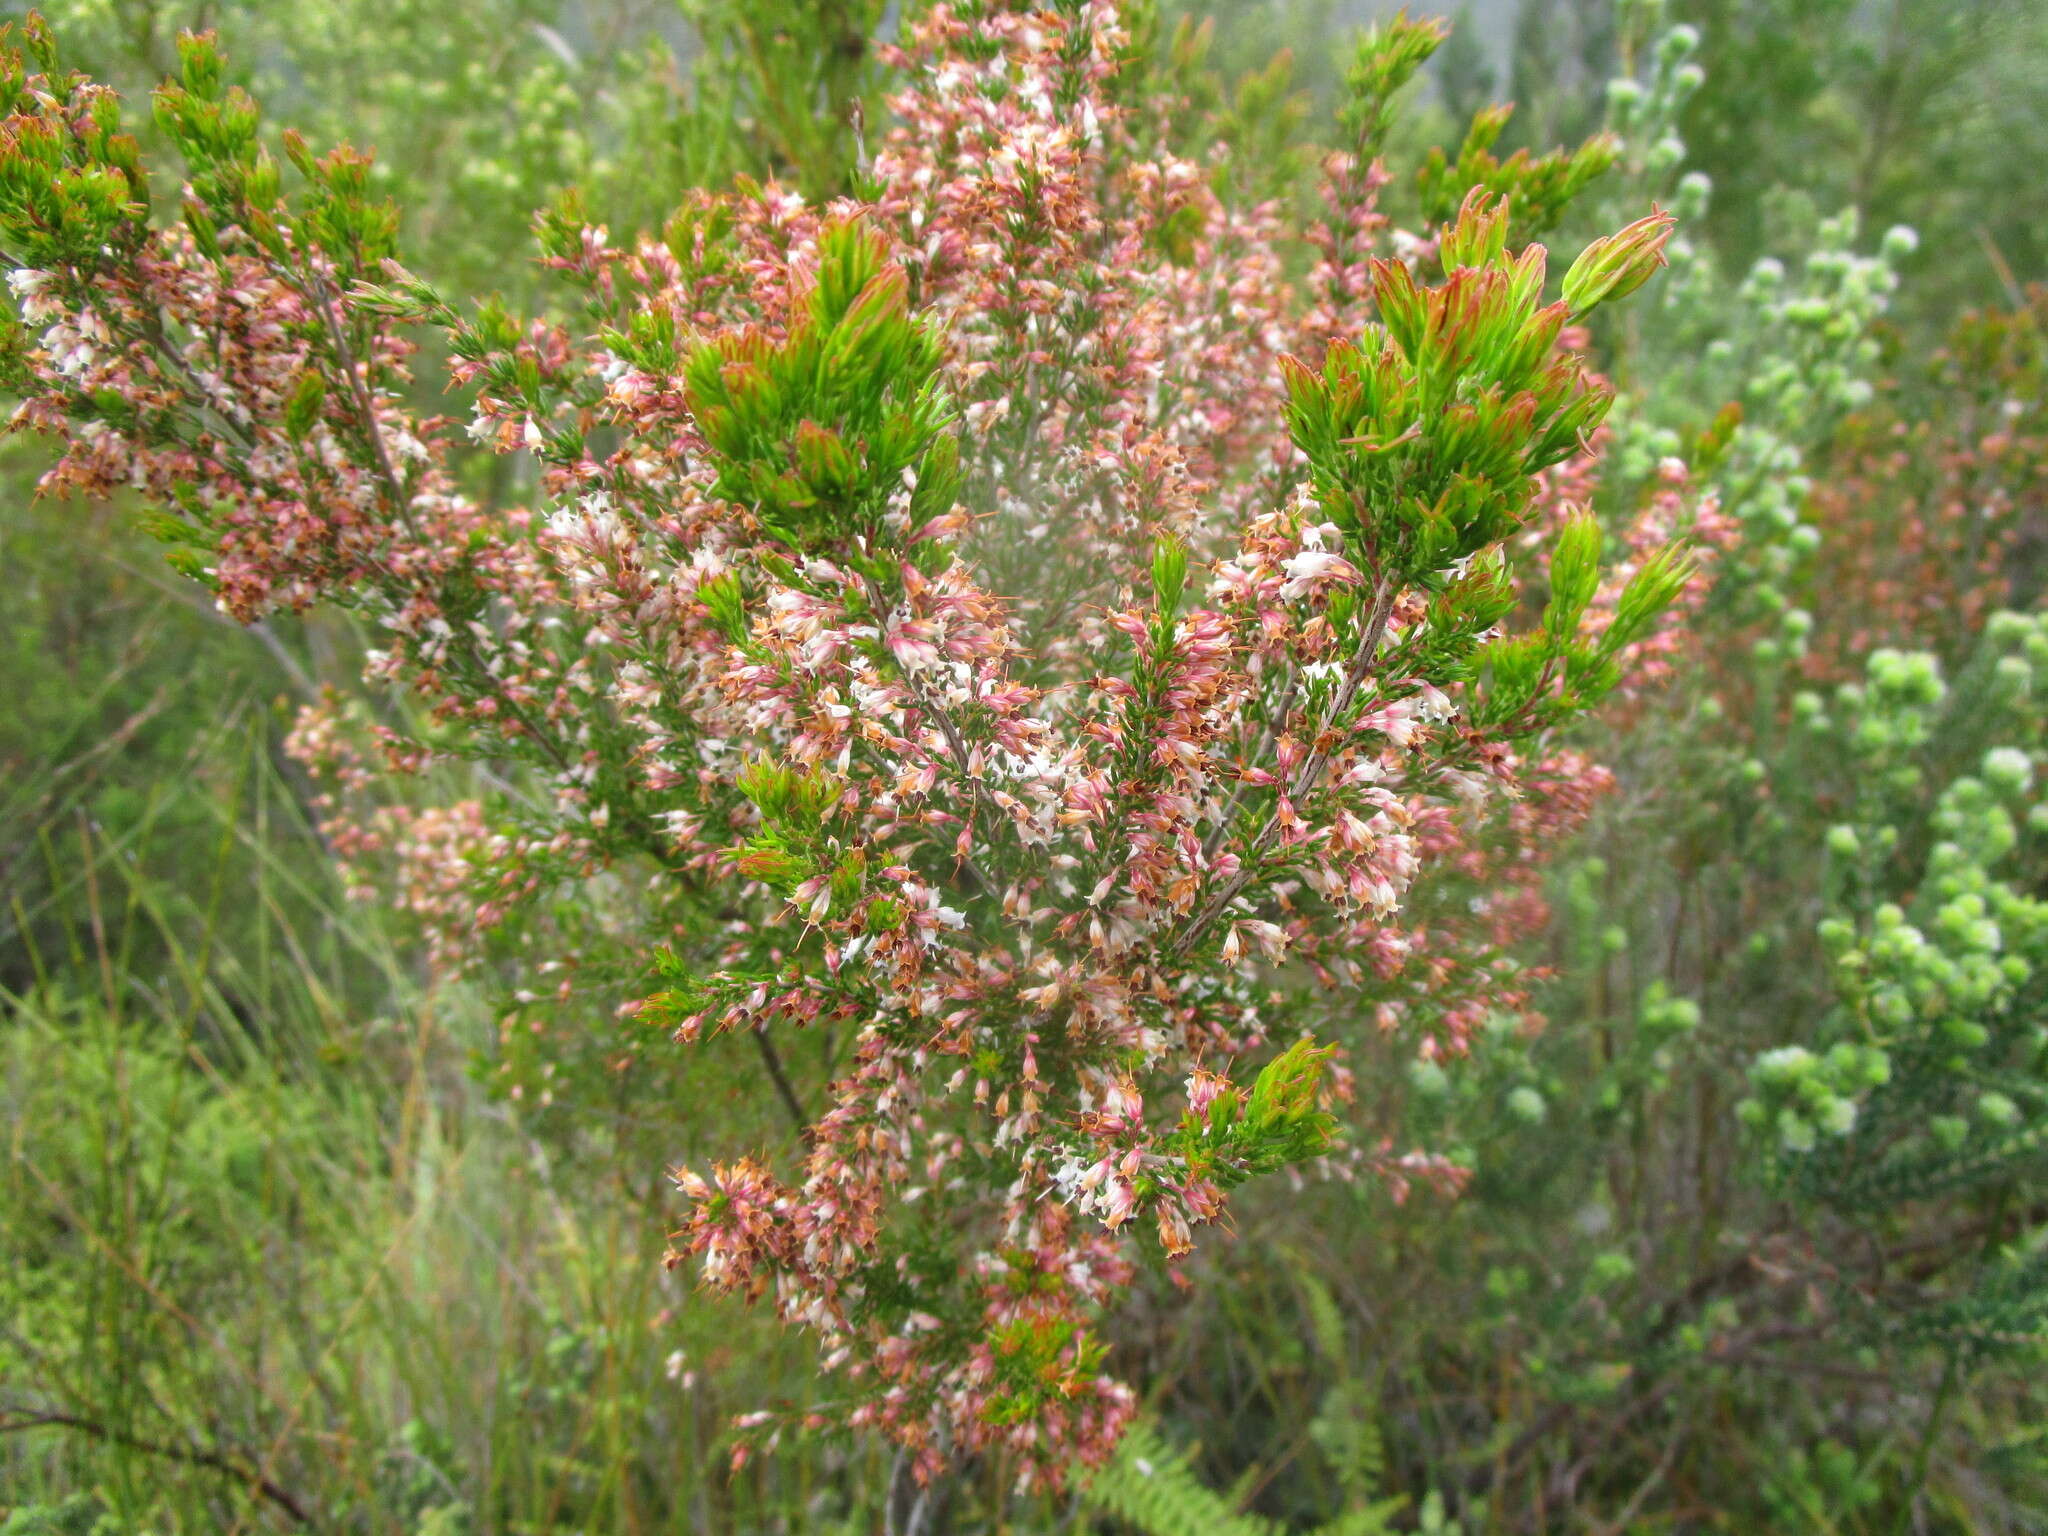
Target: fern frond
1370	1520
1152	1488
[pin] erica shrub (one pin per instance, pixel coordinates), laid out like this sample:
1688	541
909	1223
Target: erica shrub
1004	644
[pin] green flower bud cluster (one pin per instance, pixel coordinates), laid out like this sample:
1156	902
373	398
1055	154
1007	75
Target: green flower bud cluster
1895	712
1643	110
1643	1063
1975	826
1663	1016
1610	1269
2008	770
1820	325
1489	1108
1789	347
1931	1071
1937	975
1797	1096
1428	1078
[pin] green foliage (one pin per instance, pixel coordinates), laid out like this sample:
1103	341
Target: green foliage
1554	673
1936	1083
795	848
289	1258
1538	187
1616	265
1280	1121
1150	1487
1037	1359
107	756
1387	57
1911	112
79	1515
62	201
1424	437
1153	1490
258	1214
821	431
809	69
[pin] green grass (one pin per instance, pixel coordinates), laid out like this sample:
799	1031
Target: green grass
275	1261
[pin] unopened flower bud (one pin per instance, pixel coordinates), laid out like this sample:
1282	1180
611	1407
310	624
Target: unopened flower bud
1618	265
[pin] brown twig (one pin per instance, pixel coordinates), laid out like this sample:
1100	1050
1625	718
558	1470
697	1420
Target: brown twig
229	1465
783	1088
401	504
955	743
1310	772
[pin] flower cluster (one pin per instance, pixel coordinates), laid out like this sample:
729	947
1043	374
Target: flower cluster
1025	652
1936	990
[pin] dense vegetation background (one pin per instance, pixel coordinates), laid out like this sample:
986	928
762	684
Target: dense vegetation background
296	1238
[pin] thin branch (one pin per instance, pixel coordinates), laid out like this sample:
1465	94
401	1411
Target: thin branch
1275	720
955	743
1310	772
217	1461
178	592
359	391
1619	1525
401	504
783	1089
